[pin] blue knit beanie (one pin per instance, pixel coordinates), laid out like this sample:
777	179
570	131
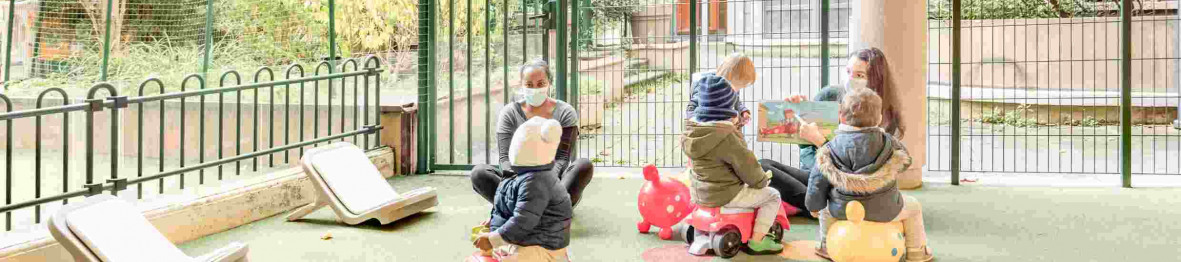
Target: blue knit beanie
715	99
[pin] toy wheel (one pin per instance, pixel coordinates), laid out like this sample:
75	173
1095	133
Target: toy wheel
688	233
727	243
777	232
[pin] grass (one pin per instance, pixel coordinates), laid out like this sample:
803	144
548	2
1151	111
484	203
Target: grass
1010	117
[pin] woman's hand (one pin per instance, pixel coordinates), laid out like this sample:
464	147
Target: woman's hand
811	132
486	223
796	99
483	243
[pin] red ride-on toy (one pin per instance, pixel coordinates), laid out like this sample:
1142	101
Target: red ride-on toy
727	230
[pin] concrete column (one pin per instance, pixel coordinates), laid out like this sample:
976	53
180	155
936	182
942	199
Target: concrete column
906	49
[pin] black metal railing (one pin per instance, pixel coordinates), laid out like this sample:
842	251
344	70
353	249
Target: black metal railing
357	127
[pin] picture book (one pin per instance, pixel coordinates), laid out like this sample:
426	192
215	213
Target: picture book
780	121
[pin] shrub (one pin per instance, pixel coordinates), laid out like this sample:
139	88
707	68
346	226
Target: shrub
1008	9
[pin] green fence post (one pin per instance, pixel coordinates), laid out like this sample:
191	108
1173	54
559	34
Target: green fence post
332	39
956	11
8	42
106	43
1177	67
425	84
1126	93
824	51
468	33
504	29
574	45
36	41
208	39
560	43
450	81
548	24
692	36
488	83
433	92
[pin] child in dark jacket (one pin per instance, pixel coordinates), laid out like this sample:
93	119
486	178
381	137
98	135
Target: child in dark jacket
531	213
860	163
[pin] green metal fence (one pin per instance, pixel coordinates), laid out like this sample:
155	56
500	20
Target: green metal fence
152	141
1088	87
231	87
1014	86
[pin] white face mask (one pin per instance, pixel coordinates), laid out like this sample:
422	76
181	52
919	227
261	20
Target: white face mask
533	96
857	83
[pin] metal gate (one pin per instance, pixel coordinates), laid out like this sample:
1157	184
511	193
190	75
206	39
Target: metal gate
628	68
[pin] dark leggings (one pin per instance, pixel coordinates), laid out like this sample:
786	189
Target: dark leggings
486	178
791	182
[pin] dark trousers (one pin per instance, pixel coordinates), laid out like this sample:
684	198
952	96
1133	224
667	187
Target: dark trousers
486	178
791	182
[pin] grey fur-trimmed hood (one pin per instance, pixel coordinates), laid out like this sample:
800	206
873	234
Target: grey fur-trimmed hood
881	178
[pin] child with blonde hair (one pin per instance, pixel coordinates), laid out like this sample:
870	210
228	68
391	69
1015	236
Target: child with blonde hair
724	172
737	71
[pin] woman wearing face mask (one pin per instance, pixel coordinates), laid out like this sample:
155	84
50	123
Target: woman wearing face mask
533	101
867	68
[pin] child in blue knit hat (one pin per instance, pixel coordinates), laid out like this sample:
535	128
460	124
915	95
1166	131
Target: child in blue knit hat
725	173
737	72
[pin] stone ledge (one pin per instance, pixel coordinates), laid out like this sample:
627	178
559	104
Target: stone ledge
202	211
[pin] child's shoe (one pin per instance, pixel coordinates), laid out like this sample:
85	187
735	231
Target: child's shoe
922	254
766	246
790	210
822	251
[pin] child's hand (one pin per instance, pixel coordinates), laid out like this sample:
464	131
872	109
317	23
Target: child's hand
811	132
816	214
486	223
745	118
768	172
483	243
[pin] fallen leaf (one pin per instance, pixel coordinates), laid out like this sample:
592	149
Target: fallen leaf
326	236
965	180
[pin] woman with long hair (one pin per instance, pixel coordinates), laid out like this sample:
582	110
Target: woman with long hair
867	68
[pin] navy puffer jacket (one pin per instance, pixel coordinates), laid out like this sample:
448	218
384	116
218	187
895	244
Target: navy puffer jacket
533	209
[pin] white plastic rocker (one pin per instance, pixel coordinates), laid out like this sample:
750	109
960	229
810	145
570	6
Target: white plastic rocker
105	228
347	181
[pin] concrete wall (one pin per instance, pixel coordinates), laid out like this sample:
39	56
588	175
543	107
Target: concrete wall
1075	54
672	55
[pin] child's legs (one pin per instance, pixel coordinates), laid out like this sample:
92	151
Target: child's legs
531	253
766	199
912	222
826	221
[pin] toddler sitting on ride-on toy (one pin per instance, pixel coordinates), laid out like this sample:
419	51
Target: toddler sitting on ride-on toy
531	213
860	164
724	172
